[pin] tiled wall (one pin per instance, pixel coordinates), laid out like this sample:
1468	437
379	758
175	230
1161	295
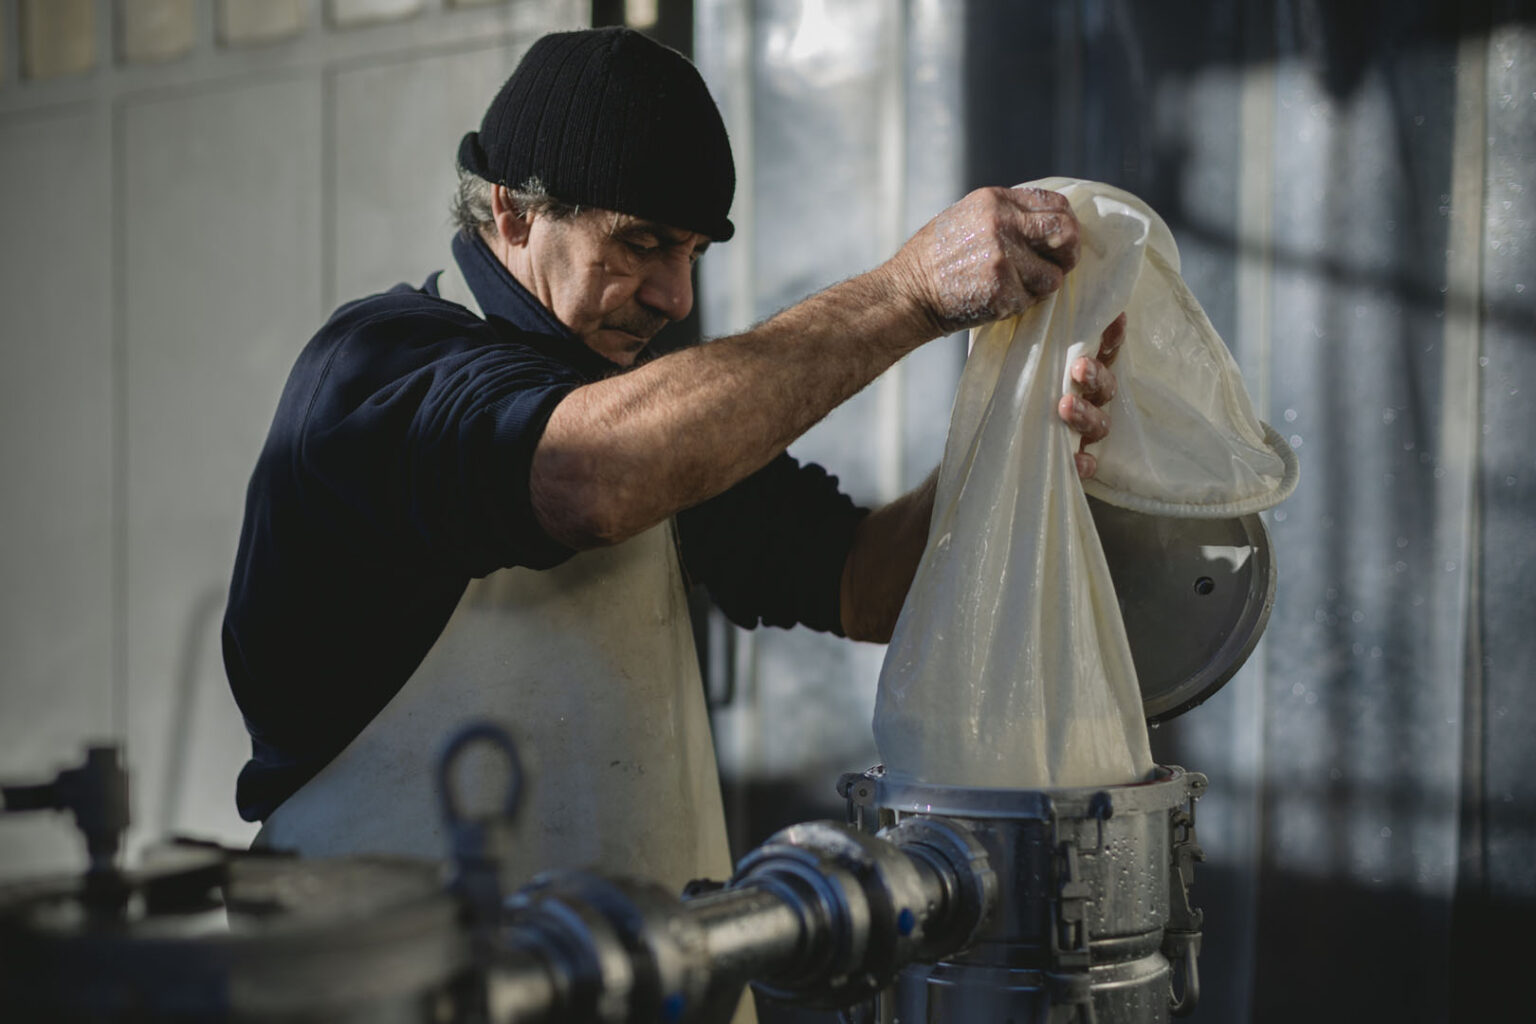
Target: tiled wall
186	190
63	37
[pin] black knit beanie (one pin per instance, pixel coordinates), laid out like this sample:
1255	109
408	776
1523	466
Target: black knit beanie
610	118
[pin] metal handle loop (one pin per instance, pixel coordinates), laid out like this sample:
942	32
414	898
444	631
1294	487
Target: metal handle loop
478	732
1185	947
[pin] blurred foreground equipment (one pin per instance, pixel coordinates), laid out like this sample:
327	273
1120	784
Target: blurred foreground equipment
823	913
935	903
1093	896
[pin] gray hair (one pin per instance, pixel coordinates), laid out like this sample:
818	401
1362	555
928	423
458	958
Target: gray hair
471	207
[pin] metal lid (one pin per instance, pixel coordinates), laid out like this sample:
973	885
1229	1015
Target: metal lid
1195	595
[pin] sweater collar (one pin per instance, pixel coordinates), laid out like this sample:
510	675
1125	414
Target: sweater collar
502	297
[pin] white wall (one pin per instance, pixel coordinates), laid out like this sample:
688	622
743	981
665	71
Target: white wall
170	235
846	122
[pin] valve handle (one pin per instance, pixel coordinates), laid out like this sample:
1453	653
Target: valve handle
471	734
476	842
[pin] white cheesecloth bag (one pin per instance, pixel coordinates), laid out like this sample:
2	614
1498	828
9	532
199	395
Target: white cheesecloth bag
1009	665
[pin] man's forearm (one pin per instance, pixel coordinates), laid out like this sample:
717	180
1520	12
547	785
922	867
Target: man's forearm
882	561
624	453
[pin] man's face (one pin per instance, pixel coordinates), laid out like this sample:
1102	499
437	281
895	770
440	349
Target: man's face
613	279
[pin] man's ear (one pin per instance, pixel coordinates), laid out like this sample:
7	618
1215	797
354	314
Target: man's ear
512	226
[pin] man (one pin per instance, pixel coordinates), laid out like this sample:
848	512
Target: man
477	500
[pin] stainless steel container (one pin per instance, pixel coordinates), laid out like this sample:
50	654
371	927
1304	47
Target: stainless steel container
1094	921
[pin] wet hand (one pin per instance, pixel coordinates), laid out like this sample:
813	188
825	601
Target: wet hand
992	255
1096	386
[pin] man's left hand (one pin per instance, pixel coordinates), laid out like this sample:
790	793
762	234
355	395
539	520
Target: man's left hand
1096	383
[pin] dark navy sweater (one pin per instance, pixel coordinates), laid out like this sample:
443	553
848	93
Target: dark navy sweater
396	470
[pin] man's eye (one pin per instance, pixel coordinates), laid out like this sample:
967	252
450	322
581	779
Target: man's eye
641	248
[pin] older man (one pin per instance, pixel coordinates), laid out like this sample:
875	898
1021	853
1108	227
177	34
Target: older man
477	500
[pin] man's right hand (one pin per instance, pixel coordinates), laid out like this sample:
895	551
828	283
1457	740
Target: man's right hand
992	255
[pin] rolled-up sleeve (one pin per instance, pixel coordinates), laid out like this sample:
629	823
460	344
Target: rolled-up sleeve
441	453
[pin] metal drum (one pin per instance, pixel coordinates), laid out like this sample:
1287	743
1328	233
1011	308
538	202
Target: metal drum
242	938
1093	922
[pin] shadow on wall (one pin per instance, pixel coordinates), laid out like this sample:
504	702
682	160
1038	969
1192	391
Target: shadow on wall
1294	981
1488	973
1038	51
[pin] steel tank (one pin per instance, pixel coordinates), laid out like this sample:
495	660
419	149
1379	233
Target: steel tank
1093	921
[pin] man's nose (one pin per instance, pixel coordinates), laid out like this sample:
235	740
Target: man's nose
668	287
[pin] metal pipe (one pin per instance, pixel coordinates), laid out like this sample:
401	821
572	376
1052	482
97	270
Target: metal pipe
521	987
821	913
748	931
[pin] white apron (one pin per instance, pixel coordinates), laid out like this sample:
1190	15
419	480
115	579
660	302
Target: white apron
591	668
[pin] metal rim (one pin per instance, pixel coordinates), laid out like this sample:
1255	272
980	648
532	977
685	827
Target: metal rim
1224	632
